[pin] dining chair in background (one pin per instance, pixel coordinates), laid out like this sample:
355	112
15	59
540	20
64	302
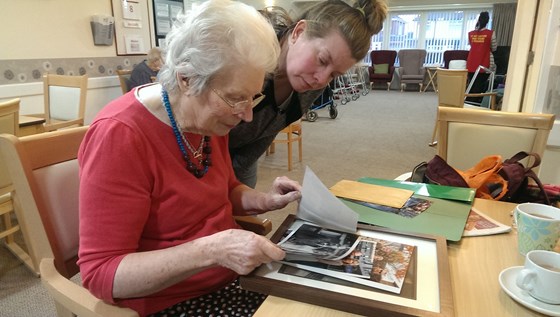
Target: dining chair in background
124	78
65	100
9	116
9	123
467	135
293	133
452	85
411	67
382	67
44	170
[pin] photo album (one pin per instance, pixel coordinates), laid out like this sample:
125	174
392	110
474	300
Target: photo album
325	241
335	259
358	259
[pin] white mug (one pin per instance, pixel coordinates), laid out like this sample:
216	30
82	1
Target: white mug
538	227
540	276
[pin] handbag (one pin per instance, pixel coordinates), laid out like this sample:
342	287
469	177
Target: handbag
492	178
519	177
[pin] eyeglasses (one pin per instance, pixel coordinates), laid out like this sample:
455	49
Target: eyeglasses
240	106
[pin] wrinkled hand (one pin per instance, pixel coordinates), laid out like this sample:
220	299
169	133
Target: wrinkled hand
242	251
283	192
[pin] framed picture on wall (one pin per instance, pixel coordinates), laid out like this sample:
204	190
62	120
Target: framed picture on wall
132	26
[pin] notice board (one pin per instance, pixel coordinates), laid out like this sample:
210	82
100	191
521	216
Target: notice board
133	29
165	13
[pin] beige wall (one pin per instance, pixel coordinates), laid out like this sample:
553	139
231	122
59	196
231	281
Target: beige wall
35	29
32	29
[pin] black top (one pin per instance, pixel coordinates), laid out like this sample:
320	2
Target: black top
141	74
249	140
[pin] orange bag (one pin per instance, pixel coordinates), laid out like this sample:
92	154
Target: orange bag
485	179
493	179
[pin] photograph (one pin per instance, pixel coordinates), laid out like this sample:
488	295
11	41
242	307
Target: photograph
368	261
413	207
319	242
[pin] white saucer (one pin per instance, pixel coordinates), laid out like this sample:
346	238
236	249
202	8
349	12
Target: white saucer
507	281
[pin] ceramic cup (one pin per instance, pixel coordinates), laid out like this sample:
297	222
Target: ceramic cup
538	227
540	276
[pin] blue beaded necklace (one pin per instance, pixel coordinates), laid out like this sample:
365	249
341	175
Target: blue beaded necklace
182	141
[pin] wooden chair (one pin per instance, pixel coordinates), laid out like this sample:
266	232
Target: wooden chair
293	133
467	135
9	116
124	77
451	85
9	123
44	170
65	100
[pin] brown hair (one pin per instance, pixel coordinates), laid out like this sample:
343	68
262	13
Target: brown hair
357	23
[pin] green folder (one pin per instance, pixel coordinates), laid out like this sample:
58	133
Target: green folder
446	216
429	190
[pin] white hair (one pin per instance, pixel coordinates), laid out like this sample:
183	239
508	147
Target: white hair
216	35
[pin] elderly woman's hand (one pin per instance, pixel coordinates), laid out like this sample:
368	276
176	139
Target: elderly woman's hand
283	192
242	251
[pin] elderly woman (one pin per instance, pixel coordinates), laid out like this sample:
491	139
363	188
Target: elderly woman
143	72
324	43
157	190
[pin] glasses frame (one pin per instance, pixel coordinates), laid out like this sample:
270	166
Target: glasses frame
240	106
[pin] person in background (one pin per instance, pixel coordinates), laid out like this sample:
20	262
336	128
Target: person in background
483	43
143	72
157	189
324	43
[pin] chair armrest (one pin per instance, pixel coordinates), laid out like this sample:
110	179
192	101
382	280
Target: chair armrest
55	125
493	96
76	298
261	226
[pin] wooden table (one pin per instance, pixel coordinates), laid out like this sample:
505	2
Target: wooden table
432	72
475	263
30	125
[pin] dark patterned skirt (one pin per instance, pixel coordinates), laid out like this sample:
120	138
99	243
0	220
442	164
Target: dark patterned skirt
229	301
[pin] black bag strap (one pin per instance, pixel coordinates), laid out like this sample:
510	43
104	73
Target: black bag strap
521	155
531	174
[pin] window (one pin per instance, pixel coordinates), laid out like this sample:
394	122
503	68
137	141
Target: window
436	31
